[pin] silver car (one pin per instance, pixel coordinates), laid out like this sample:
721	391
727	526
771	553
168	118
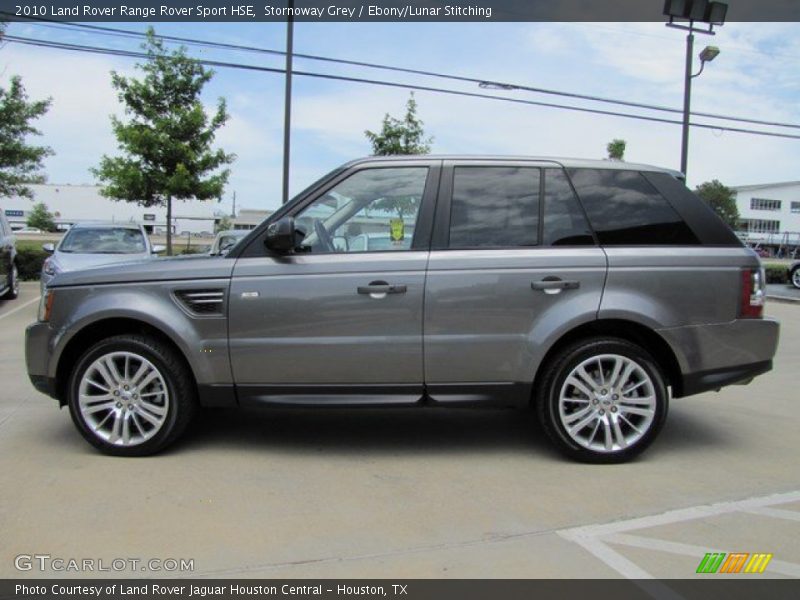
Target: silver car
593	292
94	244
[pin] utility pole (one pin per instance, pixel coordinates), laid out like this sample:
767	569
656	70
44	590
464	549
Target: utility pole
287	105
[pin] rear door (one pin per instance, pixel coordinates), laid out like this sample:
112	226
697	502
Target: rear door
513	265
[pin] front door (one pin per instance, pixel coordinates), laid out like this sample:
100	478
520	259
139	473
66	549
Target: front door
340	319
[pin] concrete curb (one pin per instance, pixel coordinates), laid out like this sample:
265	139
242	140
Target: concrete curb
784	299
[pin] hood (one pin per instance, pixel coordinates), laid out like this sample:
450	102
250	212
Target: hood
149	269
67	261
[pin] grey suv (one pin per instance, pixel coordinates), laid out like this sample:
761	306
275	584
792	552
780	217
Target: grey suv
592	291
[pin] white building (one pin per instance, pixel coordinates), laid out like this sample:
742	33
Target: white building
72	203
770	213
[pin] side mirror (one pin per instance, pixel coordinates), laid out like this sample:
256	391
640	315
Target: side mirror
282	236
158	249
49	247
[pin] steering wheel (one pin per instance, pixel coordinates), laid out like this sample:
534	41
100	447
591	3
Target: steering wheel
324	236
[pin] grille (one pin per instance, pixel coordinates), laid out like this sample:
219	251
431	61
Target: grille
202	302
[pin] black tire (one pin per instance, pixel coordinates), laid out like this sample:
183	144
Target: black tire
794	277
555	375
13	284
179	382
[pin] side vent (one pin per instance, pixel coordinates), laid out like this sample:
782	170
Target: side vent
202	302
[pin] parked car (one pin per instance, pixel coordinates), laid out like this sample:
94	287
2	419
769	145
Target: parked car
592	291
226	240
9	275
29	230
93	244
794	274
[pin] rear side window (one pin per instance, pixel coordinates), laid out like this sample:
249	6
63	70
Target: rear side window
625	210
564	221
495	207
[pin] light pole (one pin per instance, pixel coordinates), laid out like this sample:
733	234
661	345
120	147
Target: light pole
287	103
695	12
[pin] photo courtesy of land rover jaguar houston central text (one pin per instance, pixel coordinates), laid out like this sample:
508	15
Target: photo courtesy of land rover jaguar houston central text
591	291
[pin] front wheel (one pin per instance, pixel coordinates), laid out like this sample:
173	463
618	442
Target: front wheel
131	395
795	277
604	400
13	284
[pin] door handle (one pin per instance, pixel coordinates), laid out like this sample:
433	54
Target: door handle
381	288
555	284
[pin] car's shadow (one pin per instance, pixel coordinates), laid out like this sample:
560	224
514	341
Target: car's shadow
409	430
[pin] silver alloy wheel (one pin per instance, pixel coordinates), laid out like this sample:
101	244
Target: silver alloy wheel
123	398
14	280
607	403
796	277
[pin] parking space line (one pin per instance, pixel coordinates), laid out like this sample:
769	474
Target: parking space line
595	538
19	308
777	513
659	545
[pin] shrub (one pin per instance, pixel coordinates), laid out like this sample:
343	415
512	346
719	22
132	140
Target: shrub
29	262
776	273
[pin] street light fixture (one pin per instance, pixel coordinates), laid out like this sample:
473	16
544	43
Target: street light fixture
694	12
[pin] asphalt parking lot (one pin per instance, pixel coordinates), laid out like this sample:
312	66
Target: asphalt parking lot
405	493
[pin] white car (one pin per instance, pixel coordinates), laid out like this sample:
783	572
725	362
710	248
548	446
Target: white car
794	274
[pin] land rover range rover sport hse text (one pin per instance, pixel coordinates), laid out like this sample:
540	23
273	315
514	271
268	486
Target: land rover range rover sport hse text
591	291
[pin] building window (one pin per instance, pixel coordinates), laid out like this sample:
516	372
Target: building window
764	204
796	207
760	226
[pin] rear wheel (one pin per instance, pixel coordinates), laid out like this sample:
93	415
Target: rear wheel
13	284
604	400
795	277
131	395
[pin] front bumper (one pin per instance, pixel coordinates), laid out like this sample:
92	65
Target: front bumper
38	338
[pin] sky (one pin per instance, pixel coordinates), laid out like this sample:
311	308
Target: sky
756	75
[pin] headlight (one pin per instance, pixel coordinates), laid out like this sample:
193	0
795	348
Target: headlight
50	268
46	305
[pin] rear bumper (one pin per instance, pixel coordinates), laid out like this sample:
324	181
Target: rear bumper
713	356
706	381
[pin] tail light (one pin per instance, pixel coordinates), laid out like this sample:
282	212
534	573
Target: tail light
753	293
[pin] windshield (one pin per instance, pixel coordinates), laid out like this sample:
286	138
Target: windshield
103	240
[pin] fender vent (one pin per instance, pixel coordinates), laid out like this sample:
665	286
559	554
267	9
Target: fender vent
202	302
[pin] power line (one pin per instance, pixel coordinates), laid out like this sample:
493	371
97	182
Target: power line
103	30
392	84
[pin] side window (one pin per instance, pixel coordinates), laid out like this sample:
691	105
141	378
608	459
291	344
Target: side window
494	207
564	221
625	210
373	210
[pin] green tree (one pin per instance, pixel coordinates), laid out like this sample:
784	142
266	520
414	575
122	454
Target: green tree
400	136
167	142
41	218
224	224
20	162
721	199
616	149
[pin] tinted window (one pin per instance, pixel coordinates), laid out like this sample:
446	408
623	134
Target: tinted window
564	221
625	210
494	207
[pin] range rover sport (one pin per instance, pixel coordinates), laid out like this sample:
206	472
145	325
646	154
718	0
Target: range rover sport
591	291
